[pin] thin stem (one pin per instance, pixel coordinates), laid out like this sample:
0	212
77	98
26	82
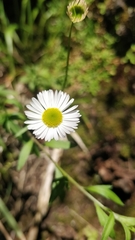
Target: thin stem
67	62
71	180
117	216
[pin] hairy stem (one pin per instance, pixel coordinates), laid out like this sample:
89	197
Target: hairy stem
70	179
67	62
118	217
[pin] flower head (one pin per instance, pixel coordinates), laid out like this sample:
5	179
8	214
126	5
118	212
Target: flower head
50	116
77	10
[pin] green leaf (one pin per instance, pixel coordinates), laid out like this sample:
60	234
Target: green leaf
58	173
59	188
105	192
103	218
16	116
12	126
58	144
127	232
2	144
128	221
6	92
131	228
108	228
14	102
2	117
25	151
9	32
23	130
10	219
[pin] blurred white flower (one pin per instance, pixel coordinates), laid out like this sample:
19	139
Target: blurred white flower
50	116
77	10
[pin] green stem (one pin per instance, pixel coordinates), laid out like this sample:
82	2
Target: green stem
67	62
117	216
80	187
71	180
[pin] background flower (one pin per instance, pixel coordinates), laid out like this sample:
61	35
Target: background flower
77	10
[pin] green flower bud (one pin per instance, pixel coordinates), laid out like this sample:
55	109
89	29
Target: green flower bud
77	10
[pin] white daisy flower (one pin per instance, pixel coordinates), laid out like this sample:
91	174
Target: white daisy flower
50	117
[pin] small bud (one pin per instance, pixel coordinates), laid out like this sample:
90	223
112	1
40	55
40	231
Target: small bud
77	10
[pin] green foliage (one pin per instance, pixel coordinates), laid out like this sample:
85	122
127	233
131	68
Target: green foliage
89	232
130	55
96	61
58	144
10	219
102	8
59	189
128	221
105	191
127	231
25	44
102	216
59	186
108	222
24	154
108	228
19	133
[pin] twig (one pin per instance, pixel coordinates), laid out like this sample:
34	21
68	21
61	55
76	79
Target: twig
4	232
80	142
44	193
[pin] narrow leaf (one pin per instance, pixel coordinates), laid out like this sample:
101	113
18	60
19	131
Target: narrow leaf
127	231
25	151
10	219
13	127
23	130
128	221
102	216
58	144
108	228
105	192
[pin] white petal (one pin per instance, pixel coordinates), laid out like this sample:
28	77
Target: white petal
43	134
32	115
55	134
41	99
52	98
37	104
70	109
32	121
49	134
61	133
39	131
65	106
62	99
71	115
56	97
65	129
46	99
35	126
70	124
33	109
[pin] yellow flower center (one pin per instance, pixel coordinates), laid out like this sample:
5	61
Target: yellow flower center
52	117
